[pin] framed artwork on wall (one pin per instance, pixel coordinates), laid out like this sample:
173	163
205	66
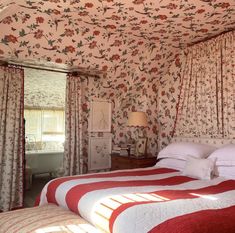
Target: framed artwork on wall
99	153
141	146
100	116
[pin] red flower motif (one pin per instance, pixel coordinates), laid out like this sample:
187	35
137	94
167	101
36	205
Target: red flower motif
89	5
58	60
96	33
188	18
69	49
154	70
39	20
215	22
162	17
154	129
171	6
143	21
140	42
105	68
84	107
158	57
135	52
154	87
121	85
92	45
138	1
115	57
11	38
115	17
121	135
177	62
172	90
199	11
38	34
69	32
7	20
117	43
136	28
83	13
109	26
223	4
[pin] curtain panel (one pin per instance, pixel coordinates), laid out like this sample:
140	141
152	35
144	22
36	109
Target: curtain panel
206	106
73	127
11	137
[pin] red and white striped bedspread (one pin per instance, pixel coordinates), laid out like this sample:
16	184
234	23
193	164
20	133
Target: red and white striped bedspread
157	200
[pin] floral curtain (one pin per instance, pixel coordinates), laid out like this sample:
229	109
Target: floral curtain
206	105
73	127
11	137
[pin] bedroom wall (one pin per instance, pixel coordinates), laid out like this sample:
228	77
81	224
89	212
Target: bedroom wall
170	85
134	43
130	92
169	90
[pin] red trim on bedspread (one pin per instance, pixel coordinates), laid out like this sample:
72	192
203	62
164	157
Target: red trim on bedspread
176	195
52	187
76	193
205	221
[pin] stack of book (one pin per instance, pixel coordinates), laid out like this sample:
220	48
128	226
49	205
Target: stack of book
124	150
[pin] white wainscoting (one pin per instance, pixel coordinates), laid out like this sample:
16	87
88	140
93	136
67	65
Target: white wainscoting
44	161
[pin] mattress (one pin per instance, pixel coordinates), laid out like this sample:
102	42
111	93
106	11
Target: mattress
45	219
156	200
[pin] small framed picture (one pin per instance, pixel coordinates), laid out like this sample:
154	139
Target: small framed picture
141	146
99	153
100	116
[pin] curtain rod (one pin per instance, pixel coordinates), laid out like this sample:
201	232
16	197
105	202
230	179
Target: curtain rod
209	38
50	69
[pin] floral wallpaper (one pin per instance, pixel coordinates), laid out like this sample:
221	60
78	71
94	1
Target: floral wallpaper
169	92
132	42
44	89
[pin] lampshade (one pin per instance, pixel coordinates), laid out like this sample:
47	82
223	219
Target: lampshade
137	119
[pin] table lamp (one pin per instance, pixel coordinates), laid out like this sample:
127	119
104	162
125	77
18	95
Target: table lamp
138	120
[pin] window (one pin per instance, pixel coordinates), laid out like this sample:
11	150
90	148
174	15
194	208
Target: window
44	129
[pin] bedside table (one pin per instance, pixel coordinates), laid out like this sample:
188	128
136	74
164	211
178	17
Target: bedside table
119	162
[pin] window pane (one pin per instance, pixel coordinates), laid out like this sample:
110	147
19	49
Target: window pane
45	129
33	125
53	122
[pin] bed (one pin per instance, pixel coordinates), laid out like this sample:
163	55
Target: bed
146	200
44	219
158	199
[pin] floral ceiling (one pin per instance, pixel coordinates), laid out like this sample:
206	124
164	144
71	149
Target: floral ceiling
100	34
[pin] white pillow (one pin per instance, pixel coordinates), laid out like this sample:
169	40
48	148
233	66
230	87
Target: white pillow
182	150
177	164
227	172
225	156
199	168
